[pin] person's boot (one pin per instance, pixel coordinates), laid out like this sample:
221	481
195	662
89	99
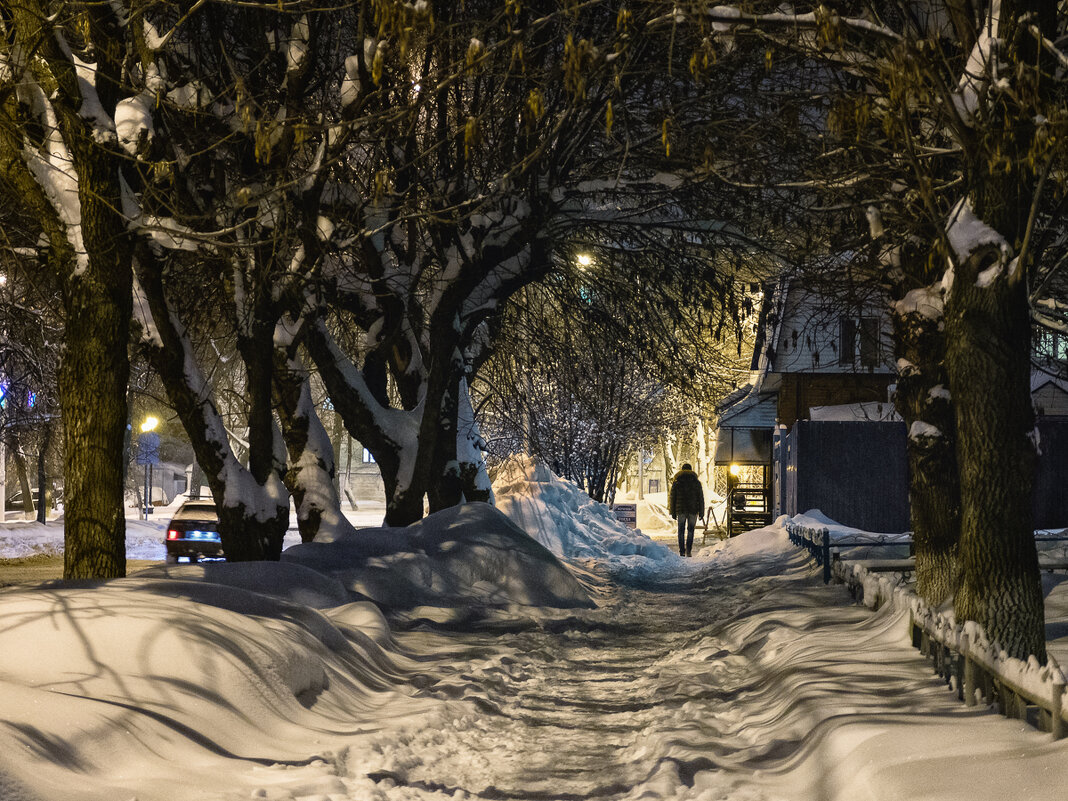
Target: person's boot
688	552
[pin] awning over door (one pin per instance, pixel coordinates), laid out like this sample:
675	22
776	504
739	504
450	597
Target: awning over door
743	446
744	429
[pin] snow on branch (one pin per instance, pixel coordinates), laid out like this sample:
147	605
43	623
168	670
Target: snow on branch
1048	45
982	70
726	18
52	168
968	235
925	301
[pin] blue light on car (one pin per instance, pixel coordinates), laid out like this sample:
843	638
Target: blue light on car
202	535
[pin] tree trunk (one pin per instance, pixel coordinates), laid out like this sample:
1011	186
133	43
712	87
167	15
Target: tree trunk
988	362
44	501
923	401
311	475
251	526
445	488
378	428
474	480
93	377
89	253
988	331
24	483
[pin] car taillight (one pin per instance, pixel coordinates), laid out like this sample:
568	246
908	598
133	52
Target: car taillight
172	534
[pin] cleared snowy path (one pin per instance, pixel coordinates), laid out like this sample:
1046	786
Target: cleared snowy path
702	680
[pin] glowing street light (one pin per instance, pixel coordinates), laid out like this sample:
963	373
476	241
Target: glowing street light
585	260
148	455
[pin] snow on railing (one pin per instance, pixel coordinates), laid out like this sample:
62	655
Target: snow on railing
823	542
963	655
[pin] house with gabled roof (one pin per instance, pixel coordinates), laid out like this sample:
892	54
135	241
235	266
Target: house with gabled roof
817	408
818	419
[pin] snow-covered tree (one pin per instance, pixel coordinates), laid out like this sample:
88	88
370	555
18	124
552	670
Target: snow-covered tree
945	127
503	147
61	78
30	335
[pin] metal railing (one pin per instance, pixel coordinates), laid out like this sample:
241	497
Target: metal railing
962	655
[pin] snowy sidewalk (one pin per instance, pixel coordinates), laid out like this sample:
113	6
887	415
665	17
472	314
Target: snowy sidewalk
457	659
705	682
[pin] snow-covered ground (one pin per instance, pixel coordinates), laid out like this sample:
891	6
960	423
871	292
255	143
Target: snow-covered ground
144	538
463	659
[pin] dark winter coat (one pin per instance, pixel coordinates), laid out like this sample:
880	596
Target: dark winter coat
687	496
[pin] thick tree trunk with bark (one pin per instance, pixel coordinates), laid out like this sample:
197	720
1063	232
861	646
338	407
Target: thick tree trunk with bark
474	480
93	377
923	401
444	485
89	253
988	363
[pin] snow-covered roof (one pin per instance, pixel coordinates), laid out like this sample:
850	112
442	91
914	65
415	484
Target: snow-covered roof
751	411
853	412
1040	379
733	398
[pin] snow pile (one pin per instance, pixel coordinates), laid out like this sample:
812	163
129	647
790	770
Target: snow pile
814	520
18	540
463	556
291	582
161	688
766	550
565	519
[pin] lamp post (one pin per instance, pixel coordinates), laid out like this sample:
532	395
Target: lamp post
148	455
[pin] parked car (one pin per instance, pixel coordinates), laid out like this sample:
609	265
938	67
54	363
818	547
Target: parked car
193	532
15	502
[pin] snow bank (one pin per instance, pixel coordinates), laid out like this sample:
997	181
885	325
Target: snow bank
768	549
815	519
565	519
18	540
291	582
166	685
467	555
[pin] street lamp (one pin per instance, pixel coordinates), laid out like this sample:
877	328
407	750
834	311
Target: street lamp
585	259
148	455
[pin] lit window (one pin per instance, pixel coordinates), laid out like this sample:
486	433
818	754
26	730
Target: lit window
367	457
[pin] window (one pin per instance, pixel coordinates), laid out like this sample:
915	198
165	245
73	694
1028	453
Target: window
847	341
367	457
1050	346
869	341
868	331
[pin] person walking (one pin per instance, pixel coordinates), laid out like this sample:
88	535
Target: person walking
686	501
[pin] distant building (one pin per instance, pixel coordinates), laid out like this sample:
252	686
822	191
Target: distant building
815	428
